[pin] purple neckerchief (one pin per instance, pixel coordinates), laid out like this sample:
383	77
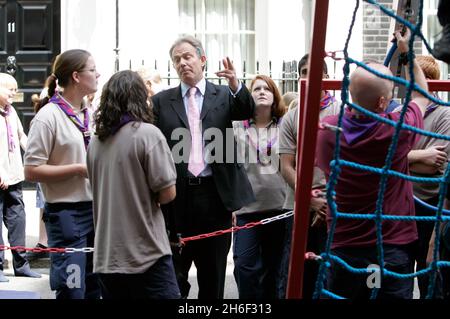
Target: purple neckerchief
431	107
270	143
67	109
124	119
356	127
326	101
5	113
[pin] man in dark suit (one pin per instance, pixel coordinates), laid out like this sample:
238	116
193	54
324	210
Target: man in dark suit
195	118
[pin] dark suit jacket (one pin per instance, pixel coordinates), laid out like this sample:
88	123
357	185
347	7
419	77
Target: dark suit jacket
219	109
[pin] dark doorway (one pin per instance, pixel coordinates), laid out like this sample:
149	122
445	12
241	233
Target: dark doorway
30	39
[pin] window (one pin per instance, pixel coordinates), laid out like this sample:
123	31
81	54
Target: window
225	27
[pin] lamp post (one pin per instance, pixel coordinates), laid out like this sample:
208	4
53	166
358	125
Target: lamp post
116	50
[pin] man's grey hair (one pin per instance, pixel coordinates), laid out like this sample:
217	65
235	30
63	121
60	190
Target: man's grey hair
197	44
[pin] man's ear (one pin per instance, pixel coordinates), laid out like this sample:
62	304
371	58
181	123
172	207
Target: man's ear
382	104
203	59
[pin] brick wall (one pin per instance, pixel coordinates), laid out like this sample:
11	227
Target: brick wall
376	35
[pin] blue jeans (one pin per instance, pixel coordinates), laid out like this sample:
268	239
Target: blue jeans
71	225
158	282
257	254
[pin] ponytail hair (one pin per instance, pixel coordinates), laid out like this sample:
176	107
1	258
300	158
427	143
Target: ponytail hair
50	84
65	64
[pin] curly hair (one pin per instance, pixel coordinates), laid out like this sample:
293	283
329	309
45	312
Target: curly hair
124	93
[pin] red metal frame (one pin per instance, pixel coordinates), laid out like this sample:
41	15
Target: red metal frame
306	146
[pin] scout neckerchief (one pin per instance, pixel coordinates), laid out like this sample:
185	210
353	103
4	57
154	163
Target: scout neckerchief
431	107
326	101
5	113
124	119
356	127
260	150
67	109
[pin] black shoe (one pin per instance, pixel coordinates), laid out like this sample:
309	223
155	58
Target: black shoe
31	255
28	273
441	50
2	277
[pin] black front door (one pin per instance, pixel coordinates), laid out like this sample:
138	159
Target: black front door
30	39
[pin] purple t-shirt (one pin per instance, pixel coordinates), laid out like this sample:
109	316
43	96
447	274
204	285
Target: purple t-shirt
367	143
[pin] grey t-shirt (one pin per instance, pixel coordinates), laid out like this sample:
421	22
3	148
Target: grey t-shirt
55	140
288	145
126	171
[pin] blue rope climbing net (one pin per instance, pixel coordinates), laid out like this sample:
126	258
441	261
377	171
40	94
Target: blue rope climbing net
385	172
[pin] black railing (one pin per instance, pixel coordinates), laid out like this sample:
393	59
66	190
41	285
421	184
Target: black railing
288	81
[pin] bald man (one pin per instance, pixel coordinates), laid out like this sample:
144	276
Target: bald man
366	141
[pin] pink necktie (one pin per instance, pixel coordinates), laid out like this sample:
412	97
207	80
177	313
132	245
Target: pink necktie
196	164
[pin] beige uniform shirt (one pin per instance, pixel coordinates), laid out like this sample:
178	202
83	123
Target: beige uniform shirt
288	145
11	166
127	171
55	140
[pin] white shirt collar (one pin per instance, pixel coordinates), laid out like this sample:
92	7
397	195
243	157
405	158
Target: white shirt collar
201	85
